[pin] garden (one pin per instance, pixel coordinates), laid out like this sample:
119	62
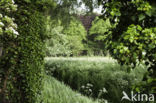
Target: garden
77	51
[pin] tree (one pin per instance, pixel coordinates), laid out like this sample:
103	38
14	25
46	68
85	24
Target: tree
98	32
76	34
133	40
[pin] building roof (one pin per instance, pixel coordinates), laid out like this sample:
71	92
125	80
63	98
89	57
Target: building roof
87	21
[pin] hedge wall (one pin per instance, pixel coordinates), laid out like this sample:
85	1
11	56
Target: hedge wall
22	60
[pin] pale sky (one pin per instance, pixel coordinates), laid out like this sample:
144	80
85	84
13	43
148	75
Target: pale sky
83	8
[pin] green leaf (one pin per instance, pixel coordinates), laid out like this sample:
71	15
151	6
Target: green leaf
133	18
149	13
141	17
139	27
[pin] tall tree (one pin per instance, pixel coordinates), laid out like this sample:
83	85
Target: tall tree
133	40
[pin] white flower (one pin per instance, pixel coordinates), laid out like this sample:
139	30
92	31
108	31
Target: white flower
1	24
143	53
14	25
13	1
13	19
15	32
104	90
6	17
12	30
90	90
1	15
83	86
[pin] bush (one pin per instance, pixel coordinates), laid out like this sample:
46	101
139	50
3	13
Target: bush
101	74
57	45
66	40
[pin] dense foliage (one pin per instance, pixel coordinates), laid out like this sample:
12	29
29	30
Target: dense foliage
128	31
67	40
133	40
57	45
98	32
22	60
8	44
76	35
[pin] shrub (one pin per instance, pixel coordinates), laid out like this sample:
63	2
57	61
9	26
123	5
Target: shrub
66	40
57	45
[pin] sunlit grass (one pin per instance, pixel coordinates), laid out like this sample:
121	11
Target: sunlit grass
94	59
57	92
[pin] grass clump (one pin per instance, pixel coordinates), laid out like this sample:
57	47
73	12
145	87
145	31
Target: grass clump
57	92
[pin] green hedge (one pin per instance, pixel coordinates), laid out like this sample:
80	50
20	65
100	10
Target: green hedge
100	74
21	64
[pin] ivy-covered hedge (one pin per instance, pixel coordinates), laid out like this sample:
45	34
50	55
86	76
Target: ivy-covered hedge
8	49
21	64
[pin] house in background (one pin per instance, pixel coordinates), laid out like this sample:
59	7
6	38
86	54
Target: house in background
87	21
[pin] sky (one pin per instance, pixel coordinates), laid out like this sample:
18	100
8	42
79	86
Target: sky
82	8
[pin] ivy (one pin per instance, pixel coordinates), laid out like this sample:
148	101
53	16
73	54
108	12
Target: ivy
8	51
22	45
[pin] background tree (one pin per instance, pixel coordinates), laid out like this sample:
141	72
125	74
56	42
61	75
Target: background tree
98	32
76	35
57	45
65	40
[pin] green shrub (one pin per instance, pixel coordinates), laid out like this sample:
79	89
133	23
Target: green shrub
57	45
101	74
56	92
66	40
